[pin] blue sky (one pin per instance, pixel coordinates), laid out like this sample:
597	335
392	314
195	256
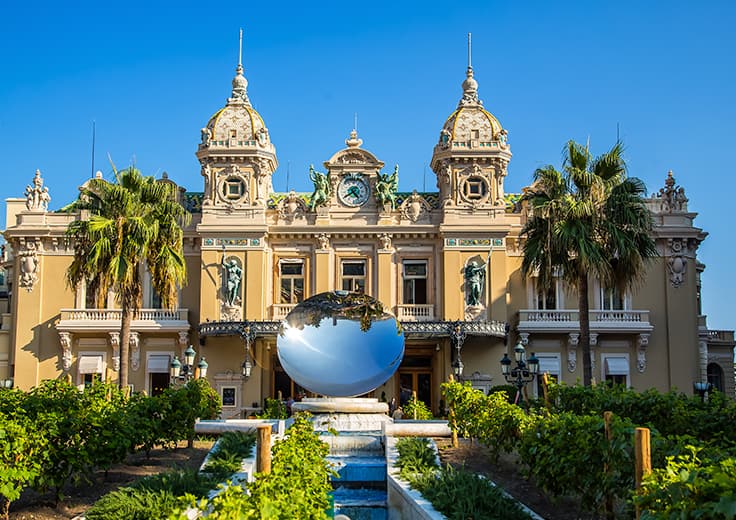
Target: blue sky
151	74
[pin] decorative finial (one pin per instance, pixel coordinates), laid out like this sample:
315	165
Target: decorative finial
470	50
353	141
470	86
240	84
240	49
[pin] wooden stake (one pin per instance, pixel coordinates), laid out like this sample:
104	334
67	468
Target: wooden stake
545	382
263	453
643	454
451	417
414	401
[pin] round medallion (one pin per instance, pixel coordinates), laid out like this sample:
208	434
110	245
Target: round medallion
353	190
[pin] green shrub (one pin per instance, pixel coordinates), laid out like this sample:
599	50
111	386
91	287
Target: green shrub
227	455
274	409
415	406
689	488
566	454
151	498
415	456
490	419
21	453
460	495
509	390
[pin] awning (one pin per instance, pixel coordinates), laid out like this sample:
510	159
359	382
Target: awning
617	366
90	364
159	364
549	365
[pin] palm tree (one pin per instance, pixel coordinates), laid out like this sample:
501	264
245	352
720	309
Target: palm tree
588	220
125	224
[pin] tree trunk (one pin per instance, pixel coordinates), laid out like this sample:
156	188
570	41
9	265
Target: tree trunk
584	317
125	321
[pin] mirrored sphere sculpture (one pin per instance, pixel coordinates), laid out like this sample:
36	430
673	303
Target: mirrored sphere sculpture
340	344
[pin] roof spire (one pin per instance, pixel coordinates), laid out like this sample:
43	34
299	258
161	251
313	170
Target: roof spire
470	86
470	50
240	84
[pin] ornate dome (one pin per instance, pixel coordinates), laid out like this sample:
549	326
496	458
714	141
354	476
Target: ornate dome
237	124
470	121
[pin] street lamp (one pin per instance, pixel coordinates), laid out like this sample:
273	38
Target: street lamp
457	337
702	388
246	368
524	371
185	371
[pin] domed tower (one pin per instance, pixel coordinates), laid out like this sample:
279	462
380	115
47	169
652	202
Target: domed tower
472	155
236	154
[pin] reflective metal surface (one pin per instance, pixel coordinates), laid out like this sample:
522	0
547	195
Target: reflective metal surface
340	344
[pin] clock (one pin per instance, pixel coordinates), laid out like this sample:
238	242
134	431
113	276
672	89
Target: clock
353	190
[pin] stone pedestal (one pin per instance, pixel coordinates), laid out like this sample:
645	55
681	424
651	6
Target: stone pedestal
345	414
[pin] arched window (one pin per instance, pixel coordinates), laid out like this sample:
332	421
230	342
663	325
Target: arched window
715	376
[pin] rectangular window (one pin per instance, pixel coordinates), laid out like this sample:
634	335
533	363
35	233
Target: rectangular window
353	276
292	281
547	300
550	365
612	299
616	370
415	282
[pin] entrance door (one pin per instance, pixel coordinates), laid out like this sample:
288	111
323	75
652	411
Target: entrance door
415	375
419	381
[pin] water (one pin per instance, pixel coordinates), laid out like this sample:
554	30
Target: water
360	489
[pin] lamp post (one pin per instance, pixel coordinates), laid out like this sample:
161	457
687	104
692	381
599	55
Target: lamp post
702	388
185	371
457	337
524	371
246	368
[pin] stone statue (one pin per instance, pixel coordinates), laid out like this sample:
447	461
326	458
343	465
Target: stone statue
206	136
475	275
233	275
387	186
37	196
321	194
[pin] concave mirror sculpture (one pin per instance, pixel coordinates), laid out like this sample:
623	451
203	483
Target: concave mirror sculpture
340	344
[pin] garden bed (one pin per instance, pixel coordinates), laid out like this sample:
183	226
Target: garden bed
79	498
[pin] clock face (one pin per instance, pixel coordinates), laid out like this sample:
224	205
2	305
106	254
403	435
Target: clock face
353	190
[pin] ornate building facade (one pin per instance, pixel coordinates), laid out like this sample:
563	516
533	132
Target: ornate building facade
447	263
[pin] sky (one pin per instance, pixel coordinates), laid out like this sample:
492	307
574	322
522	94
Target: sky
659	74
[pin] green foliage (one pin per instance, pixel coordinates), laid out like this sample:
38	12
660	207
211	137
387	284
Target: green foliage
132	222
491	419
588	220
670	414
689	488
460	495
566	454
21	453
509	390
297	486
412	406
182	406
274	409
225	458
415	456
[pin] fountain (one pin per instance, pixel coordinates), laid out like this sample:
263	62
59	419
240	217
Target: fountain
342	345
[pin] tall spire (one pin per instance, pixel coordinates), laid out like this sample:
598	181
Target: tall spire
240	84
470	86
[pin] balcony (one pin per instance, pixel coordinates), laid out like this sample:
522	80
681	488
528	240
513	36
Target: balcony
417	312
568	320
280	310
94	320
721	337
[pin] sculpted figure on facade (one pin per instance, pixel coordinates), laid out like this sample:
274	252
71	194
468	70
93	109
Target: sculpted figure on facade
385	239
387	186
65	338
232	273
673	199
206	136
475	275
322	188
37	196
206	172
135	351
324	241
677	263
28	266
115	343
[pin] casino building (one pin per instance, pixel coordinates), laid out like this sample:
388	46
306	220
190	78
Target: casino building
446	263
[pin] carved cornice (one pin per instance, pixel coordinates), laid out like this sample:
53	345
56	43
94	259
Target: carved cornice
413	329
